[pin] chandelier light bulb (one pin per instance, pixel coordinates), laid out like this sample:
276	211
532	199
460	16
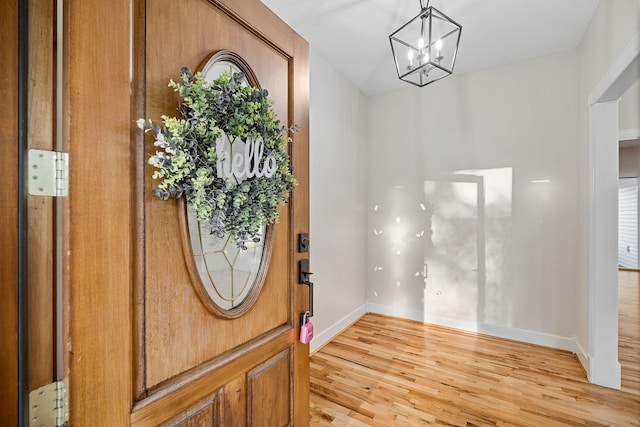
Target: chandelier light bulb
421	44
410	56
438	47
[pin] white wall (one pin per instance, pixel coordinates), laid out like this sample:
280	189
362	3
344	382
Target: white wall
613	26
629	120
499	130
629	162
337	199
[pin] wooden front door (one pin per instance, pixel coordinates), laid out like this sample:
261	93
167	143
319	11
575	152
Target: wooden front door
142	346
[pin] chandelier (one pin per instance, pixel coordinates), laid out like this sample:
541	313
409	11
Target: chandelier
425	48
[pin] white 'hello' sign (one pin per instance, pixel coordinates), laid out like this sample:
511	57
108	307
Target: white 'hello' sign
243	159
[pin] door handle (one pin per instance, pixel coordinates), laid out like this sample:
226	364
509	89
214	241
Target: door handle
304	278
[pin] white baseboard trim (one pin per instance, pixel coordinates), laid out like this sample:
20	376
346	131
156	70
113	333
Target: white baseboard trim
522	335
334	330
395	311
605	372
583	358
531	337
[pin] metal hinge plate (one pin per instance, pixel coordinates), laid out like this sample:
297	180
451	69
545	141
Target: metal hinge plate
48	173
49	406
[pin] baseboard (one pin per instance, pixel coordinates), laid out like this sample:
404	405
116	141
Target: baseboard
395	311
583	358
531	337
421	316
335	329
605	372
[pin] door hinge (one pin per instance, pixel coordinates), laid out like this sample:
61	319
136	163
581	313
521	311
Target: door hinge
49	406
48	173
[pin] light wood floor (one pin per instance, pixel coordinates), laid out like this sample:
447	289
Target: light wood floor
384	371
629	329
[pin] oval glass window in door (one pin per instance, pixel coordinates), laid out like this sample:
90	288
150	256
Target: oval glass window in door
227	279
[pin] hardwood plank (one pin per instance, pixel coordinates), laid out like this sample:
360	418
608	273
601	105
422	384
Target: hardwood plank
629	329
389	371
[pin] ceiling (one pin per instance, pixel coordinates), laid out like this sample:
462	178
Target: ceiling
353	35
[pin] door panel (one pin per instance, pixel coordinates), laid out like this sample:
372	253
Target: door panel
201	414
220	375
193	364
233	403
188	332
269	392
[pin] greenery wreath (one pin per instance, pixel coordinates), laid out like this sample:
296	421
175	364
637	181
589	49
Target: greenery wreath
225	154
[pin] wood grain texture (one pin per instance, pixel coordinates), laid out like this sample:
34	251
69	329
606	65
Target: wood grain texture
199	415
41	209
233	403
385	371
264	23
188	390
629	329
203	418
96	127
269	394
9	213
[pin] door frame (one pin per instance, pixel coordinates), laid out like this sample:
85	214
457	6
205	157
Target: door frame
602	363
22	211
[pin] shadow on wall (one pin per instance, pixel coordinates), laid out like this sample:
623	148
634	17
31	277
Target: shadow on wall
442	248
